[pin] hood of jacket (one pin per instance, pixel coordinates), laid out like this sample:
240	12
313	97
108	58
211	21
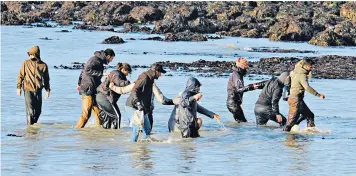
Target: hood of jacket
101	55
298	69
151	74
192	83
35	51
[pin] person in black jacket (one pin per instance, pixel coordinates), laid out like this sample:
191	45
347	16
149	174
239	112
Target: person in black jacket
110	116
141	99
235	90
90	79
267	105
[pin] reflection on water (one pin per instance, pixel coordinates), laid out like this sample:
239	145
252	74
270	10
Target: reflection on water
142	157
299	153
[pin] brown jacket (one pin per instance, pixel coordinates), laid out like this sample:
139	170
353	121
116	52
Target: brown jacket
33	74
299	82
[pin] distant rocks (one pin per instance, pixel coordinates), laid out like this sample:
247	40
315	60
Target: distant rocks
323	23
277	50
185	36
113	40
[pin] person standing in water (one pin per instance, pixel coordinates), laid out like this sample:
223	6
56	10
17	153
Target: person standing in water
267	105
32	78
188	123
236	89
110	116
141	100
298	110
89	80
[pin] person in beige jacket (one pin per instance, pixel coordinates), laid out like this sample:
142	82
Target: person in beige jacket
32	78
298	110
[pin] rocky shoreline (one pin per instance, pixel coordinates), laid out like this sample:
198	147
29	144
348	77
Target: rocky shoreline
327	67
319	23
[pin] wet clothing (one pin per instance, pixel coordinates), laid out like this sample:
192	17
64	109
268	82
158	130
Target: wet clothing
110	116
88	106
33	101
146	129
173	122
267	105
90	78
32	78
109	113
188	108
142	91
235	90
298	110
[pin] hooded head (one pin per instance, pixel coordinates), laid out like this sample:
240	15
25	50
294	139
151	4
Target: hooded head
35	51
193	85
284	78
304	66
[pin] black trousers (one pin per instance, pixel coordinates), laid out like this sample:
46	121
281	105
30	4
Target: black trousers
33	101
237	112
264	113
109	114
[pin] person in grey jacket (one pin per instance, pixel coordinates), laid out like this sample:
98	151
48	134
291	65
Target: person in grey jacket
188	123
236	89
267	105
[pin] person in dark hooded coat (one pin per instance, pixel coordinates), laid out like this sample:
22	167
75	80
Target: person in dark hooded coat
188	123
236	89
267	105
110	116
89	81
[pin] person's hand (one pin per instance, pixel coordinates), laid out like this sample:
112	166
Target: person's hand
19	92
198	96
217	117
139	106
47	95
105	74
255	86
111	85
78	87
279	118
322	96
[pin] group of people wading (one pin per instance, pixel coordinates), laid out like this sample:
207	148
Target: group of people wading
100	98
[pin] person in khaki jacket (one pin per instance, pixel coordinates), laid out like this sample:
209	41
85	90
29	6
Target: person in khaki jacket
298	110
33	77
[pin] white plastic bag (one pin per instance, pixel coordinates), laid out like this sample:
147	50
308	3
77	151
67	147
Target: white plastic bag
138	118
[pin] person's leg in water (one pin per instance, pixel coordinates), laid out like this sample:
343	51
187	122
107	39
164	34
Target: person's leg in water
150	118
146	130
293	114
308	114
261	114
87	105
238	114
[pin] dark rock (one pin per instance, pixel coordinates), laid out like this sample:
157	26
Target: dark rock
324	66
277	50
185	36
123	10
153	38
63	31
113	40
131	39
215	37
46	38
